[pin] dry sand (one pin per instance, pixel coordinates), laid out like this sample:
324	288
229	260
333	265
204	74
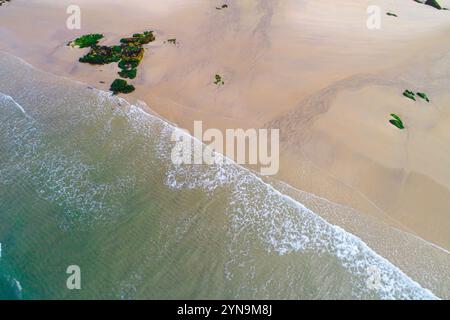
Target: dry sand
311	68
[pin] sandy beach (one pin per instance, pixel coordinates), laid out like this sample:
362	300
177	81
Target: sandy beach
311	69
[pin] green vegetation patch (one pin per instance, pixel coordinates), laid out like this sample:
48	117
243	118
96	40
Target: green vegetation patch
409	94
424	96
101	55
218	80
132	53
397	121
86	41
128	54
121	86
2	2
434	4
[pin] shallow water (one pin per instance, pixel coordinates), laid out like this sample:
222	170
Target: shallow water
86	179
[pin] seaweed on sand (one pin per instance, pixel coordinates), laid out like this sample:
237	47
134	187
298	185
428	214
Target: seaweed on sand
397	121
121	86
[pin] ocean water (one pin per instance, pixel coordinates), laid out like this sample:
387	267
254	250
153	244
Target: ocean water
86	179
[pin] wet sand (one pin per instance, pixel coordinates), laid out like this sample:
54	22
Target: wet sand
311	69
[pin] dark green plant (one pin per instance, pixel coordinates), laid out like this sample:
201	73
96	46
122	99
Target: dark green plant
224	6
128	55
397	121
139	39
129	64
424	96
86	41
409	94
101	55
130	74
218	80
132	53
121	86
391	14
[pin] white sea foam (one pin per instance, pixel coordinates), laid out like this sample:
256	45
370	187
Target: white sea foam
7	98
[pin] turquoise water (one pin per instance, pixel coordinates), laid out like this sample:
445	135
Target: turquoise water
86	179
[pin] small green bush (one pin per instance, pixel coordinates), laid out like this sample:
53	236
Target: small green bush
409	94
121	86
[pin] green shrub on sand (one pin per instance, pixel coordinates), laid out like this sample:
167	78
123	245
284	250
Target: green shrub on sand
434	4
86	41
409	94
101	55
128	74
139	39
121	86
397	121
128	65
424	96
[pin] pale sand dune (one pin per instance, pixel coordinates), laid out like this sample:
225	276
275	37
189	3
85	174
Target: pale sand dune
310	68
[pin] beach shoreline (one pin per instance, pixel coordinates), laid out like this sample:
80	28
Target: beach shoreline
310	85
